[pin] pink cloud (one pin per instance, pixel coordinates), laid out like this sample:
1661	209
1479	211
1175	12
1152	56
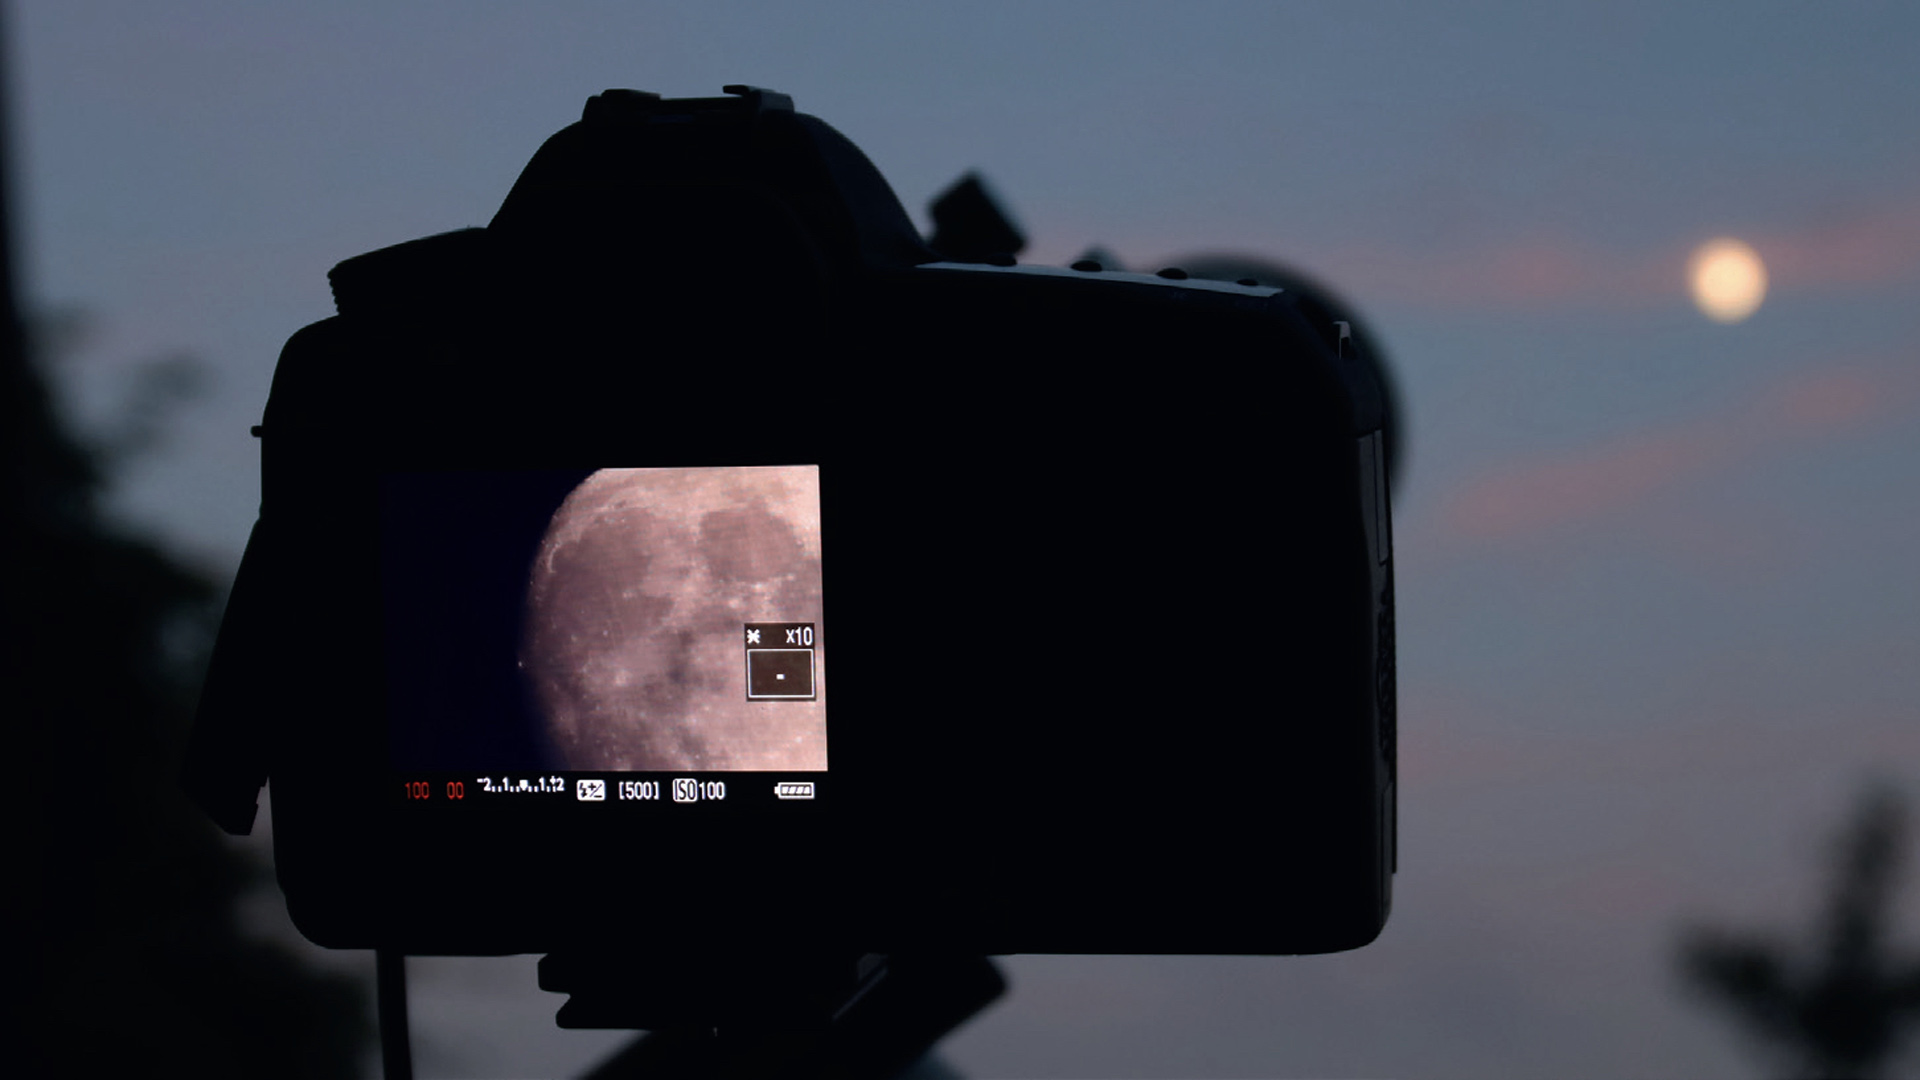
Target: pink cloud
1455	742
1530	498
1865	249
1873	247
1536	271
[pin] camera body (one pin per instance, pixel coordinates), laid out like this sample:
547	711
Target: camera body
695	559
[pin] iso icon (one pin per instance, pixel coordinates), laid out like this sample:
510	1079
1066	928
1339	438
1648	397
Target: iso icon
590	790
686	789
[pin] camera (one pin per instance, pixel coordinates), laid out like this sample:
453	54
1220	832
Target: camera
696	556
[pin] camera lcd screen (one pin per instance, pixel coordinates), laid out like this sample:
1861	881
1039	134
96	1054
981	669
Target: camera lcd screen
618	620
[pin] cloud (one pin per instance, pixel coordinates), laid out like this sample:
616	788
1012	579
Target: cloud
1534	497
1538	271
1871	248
1461	742
1865	249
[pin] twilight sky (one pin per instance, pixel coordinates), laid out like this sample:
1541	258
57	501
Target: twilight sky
1656	583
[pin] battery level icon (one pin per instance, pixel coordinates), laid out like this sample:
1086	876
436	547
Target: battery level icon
793	790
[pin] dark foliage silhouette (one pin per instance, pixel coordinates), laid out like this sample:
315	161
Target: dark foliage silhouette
129	897
1842	1007
122	901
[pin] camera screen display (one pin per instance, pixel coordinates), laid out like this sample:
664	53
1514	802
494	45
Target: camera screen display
657	621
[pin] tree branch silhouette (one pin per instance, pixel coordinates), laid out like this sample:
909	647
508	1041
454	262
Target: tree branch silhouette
1841	1007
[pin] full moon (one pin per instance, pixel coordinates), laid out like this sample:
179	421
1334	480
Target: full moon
634	646
1728	279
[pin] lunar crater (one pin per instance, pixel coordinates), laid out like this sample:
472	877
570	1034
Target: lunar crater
634	615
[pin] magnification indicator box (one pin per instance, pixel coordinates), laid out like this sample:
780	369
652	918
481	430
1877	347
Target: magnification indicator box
780	662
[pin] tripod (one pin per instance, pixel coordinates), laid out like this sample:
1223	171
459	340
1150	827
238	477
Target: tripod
865	1017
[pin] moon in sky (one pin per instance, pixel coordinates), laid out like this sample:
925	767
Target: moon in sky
1728	279
636	606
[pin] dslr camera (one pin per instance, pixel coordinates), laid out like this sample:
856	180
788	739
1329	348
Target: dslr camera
697	558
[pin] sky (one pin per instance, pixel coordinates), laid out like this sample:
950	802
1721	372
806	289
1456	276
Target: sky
1655	575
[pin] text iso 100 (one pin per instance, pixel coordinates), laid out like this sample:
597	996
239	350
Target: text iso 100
687	789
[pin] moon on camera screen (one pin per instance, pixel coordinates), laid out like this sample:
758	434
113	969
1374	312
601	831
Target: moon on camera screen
610	620
673	622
